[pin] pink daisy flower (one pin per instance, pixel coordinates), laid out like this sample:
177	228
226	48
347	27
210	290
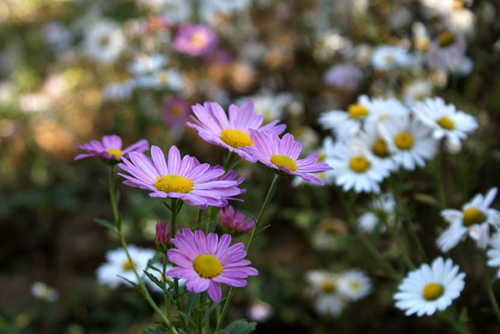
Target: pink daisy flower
282	154
206	261
195	184
215	127
234	221
195	39
229	176
110	149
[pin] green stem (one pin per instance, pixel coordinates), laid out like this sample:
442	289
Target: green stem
491	293
207	321
437	172
390	271
173	215
227	160
453	321
268	198
143	288
396	191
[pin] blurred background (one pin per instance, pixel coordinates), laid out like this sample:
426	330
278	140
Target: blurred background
75	70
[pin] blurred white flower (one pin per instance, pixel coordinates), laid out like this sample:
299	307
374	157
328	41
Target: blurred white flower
382	209
118	264
56	35
259	311
386	57
475	218
271	106
43	291
177	11
104	42
447	52
416	91
120	89
323	286
147	64
354	284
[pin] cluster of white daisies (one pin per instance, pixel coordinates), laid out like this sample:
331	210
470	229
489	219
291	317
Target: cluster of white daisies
375	137
333	291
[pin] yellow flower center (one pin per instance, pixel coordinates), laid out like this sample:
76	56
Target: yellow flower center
432	291
446	123
355	285
199	40
127	265
473	216
321	157
389	59
359	164
446	38
117	153
380	148
357	110
236	138
457	5
282	160
103	40
163	78
328	287
207	266
404	141
174	184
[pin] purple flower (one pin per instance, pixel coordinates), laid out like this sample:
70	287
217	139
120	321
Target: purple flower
195	184
176	111
110	149
195	39
343	76
282	154
234	221
207	261
162	236
214	126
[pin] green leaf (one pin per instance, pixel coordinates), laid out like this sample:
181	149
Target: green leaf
241	327
233	166
179	206
156	258
192	301
137	286
158	283
119	222
188	319
106	224
262	229
250	215
168	206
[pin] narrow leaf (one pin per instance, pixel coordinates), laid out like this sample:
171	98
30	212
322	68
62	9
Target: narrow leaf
106	224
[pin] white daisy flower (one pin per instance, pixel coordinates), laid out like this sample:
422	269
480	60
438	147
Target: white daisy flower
324	287
353	284
447	52
43	291
494	252
382	209
444	119
474	219
118	265
119	90
372	141
210	8
104	42
155	273
56	35
169	79
409	141
430	288
348	123
354	168
386	57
